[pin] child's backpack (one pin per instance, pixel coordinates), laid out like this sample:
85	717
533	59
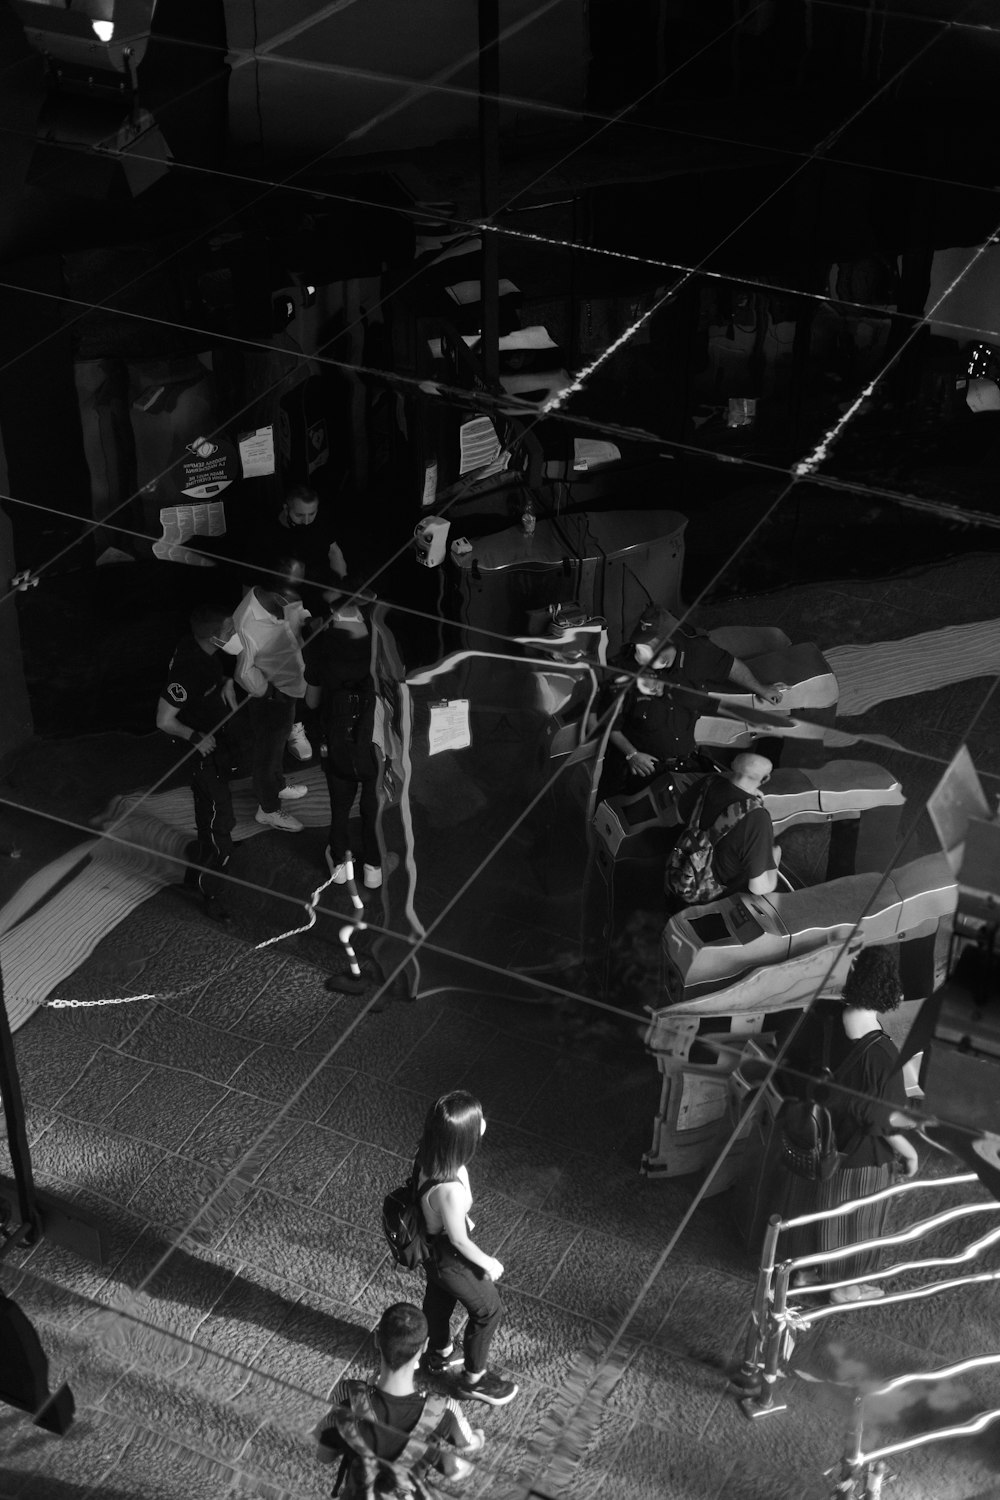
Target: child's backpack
365	1476
403	1221
690	875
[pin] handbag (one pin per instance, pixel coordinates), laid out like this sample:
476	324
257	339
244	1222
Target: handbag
808	1139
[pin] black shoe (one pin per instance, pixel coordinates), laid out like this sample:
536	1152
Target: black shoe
433	1363
214	909
346	984
489	1388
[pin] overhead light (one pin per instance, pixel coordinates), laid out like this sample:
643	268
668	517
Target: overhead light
103	30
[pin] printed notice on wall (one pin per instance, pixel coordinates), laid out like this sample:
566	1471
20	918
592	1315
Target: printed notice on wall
450	726
257	452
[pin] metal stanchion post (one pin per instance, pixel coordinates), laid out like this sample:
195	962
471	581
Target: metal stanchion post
747	1378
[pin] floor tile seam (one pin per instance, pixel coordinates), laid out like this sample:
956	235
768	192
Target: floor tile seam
172	1378
590	1493
425	1035
559	1264
353	1152
253	1184
299	1305
168	1067
183	1015
136	1429
506	1034
101	1047
333	1006
258	1188
197	1355
98	1487
122	1051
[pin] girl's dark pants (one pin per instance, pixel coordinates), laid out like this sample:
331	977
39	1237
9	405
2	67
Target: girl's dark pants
452	1279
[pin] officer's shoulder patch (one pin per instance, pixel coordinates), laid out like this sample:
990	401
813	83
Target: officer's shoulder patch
177	692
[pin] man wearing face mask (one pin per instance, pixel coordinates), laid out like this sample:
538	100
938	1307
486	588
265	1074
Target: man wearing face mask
655	729
301	531
269	622
195	707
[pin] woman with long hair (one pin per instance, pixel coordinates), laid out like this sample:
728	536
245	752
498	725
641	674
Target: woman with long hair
865	1102
457	1270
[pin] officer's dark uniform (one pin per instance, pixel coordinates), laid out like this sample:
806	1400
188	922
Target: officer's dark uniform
194	684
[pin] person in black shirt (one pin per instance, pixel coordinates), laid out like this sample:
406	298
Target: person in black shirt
746	858
338	671
666	671
396	1408
195	705
867	1103
301	530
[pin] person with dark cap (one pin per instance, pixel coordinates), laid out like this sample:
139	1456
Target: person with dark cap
342	691
666	670
195	706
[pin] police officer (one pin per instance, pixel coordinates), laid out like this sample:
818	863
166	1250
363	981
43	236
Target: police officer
195	705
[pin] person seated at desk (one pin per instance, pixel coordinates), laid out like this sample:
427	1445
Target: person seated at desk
746	858
661	706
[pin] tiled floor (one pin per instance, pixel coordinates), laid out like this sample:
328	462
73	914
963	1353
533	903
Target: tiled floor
250	1113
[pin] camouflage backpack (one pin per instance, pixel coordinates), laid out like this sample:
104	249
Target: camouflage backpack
365	1476
690	873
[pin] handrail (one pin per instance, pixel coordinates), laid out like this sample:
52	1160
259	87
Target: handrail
969	1253
857	1465
774	1319
889	1192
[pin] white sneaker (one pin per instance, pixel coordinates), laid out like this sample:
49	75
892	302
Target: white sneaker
298	742
278	819
338	873
293	791
373	876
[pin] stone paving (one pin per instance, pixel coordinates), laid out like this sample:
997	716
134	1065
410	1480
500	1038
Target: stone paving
236	1135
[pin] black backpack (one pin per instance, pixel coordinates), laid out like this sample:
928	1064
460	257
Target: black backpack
403	1220
808	1139
690	874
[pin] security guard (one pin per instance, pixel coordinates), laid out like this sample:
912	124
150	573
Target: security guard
195	705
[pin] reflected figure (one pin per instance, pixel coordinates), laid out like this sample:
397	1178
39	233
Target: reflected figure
342	691
867	1101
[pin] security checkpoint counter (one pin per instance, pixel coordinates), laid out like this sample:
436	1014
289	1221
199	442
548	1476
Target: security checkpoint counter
731	963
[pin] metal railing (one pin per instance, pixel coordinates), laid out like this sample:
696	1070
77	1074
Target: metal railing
775	1319
861	1474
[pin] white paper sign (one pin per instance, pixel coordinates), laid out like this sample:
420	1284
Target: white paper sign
478	444
257	452
449	726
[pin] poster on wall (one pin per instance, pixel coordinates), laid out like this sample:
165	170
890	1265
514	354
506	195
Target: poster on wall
257	452
210	465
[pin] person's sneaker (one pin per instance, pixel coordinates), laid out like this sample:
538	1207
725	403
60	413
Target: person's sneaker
373	876
298	742
338	873
866	1291
283	821
433	1363
293	791
489	1388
